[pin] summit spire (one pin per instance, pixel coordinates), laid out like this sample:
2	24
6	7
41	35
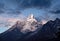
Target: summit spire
31	18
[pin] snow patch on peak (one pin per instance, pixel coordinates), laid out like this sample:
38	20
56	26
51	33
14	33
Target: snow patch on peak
31	18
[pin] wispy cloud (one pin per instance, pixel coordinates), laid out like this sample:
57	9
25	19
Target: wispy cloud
9	21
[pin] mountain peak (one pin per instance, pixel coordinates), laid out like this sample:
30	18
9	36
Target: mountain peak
28	25
31	18
57	19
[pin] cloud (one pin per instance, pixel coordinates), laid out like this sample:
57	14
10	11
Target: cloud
34	3
16	12
6	21
56	12
1	8
30	3
55	7
8	7
14	6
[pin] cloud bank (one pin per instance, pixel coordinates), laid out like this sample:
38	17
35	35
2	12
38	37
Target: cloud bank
14	6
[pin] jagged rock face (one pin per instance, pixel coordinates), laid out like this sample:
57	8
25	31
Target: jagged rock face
28	25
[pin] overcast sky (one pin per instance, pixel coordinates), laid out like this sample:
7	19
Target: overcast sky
13	10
